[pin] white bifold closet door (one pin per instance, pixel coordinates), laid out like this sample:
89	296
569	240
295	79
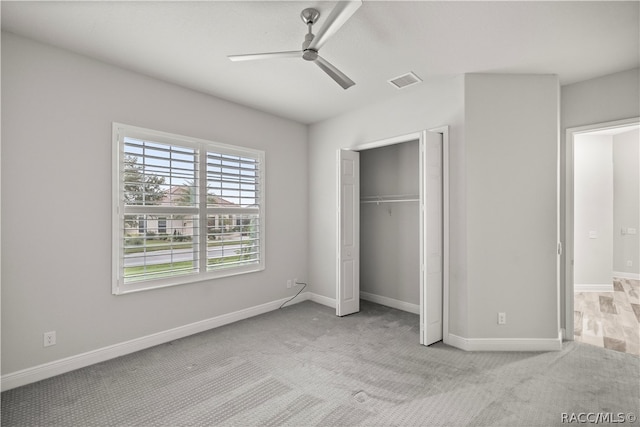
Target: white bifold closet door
431	289
348	280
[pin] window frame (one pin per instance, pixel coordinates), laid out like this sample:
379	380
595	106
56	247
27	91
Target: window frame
201	209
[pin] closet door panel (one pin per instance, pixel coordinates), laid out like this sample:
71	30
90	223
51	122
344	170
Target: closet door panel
348	280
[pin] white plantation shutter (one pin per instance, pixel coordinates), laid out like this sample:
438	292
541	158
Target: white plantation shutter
233	209
184	209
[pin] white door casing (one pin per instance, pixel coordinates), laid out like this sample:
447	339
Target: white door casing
348	280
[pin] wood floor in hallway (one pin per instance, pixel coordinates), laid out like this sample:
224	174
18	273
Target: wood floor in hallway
610	319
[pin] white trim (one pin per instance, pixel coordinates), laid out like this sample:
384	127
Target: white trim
593	287
414	136
390	302
321	299
505	344
423	238
455	341
625	275
71	363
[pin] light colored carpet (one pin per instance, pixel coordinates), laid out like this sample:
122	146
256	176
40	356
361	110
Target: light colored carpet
302	366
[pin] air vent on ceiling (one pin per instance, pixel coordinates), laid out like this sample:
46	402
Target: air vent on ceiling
405	80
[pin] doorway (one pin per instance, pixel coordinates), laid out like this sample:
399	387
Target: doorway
423	203
389	222
602	211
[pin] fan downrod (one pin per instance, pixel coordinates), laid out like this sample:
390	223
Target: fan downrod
309	16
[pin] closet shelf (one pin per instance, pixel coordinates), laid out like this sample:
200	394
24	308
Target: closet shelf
396	198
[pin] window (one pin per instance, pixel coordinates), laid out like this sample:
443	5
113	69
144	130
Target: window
162	225
141	225
185	209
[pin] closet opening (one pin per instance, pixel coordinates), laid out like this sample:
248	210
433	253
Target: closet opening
389	226
393	228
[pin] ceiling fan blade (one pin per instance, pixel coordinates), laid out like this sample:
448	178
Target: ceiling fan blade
336	19
270	55
334	73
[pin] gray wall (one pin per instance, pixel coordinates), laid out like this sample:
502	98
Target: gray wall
593	210
603	99
511	129
57	110
626	201
389	232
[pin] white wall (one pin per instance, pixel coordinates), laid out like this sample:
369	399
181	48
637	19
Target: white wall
626	201
389	237
57	110
593	210
426	106
511	138
603	99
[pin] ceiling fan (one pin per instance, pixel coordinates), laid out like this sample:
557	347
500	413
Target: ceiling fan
312	43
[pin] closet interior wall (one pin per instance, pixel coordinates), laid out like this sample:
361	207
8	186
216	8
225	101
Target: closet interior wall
389	222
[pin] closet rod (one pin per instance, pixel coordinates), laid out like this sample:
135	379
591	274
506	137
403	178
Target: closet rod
390	198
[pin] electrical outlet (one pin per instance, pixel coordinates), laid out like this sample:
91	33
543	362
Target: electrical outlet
288	283
502	318
295	282
629	263
49	338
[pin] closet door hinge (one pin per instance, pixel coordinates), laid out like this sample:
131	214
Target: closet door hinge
559	248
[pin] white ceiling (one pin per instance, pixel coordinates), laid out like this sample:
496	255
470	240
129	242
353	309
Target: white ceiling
187	42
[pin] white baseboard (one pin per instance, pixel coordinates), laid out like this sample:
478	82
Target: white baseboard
605	287
624	275
321	299
68	364
505	344
390	302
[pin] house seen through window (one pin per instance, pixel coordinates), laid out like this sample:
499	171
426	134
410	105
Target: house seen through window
185	209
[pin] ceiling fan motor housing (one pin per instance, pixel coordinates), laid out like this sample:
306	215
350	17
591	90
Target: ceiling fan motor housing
308	54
